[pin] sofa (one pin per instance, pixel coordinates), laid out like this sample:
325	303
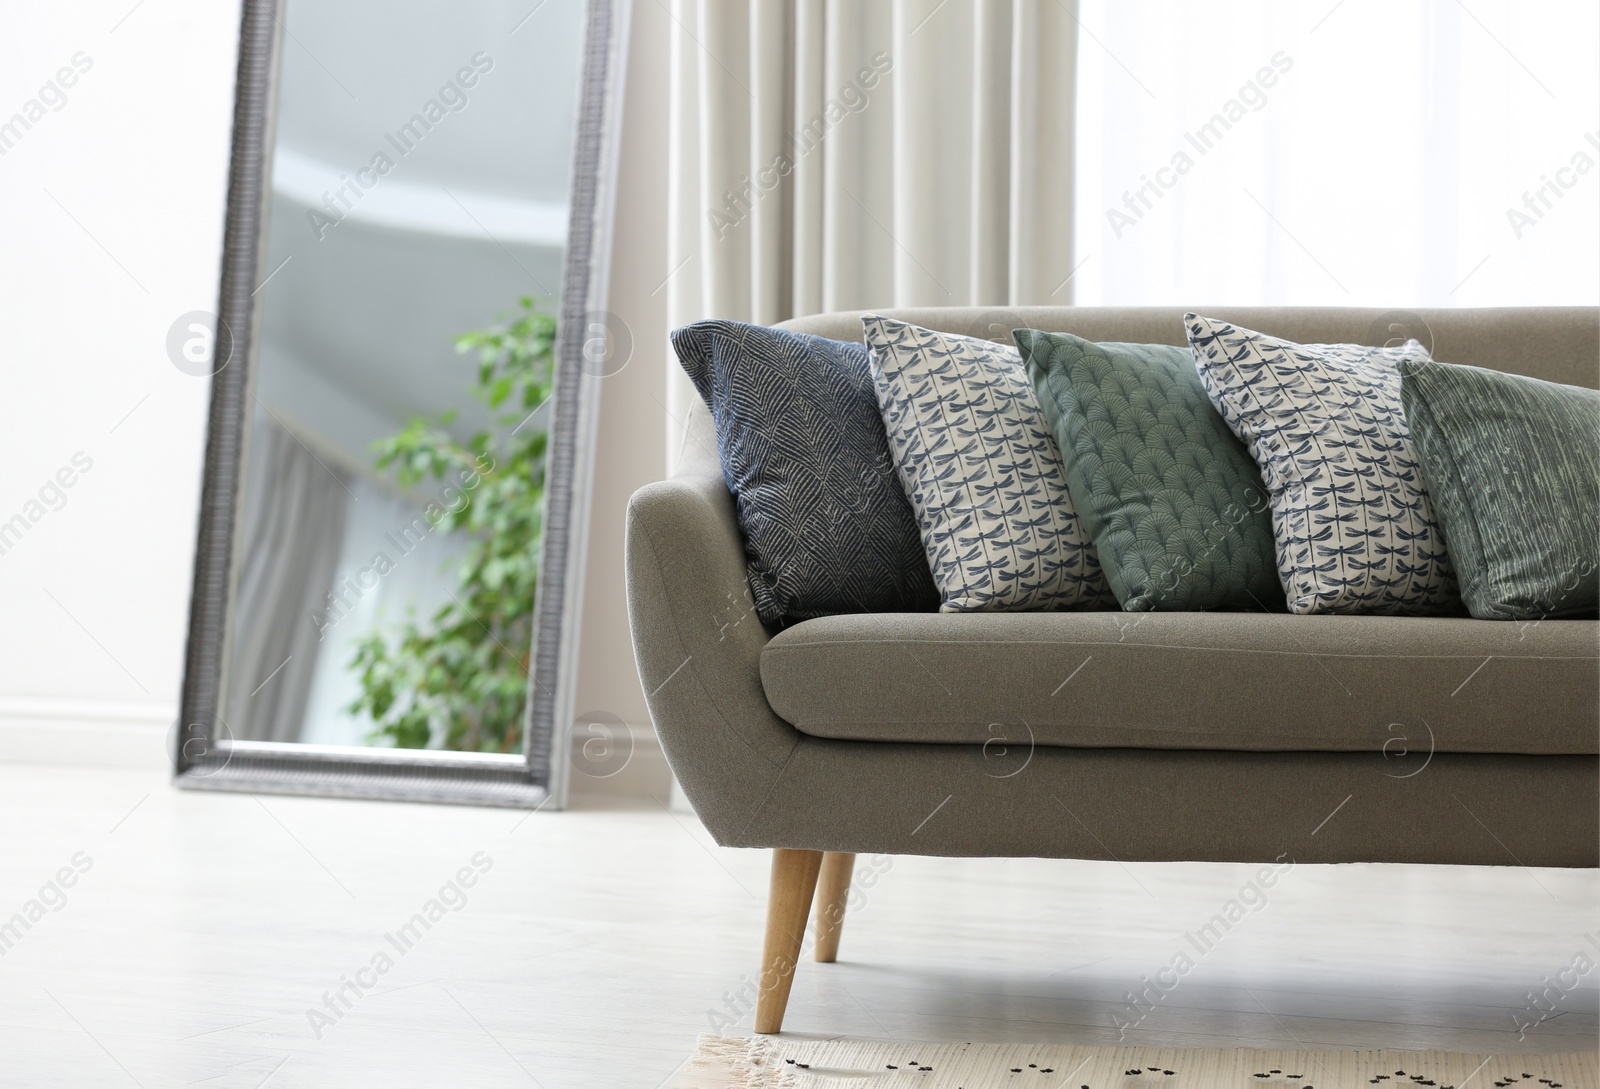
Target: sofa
1156	736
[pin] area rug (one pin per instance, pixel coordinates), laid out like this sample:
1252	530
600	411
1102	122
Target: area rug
791	1063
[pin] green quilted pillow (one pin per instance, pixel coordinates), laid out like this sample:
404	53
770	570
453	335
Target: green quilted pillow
1173	501
1511	464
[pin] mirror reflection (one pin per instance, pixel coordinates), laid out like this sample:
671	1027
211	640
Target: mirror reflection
389	524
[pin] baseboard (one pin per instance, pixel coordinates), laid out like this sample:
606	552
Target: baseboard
125	734
95	733
680	800
645	774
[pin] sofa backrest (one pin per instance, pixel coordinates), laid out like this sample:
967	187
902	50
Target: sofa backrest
1556	343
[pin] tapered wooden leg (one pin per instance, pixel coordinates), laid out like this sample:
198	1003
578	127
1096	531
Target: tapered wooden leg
794	880
833	890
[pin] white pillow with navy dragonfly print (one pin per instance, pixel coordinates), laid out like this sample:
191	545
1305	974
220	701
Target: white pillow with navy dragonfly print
981	468
1355	532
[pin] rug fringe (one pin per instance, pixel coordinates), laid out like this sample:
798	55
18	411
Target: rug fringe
740	1063
798	1062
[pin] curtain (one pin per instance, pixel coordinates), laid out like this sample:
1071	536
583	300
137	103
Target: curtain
385	534
293	529
843	155
1361	153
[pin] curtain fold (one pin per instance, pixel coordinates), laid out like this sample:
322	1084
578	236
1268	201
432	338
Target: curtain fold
832	154
293	529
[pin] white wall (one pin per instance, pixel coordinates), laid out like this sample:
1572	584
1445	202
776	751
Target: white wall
633	435
96	593
111	210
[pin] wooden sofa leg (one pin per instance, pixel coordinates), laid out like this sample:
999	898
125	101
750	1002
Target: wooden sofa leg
794	880
833	892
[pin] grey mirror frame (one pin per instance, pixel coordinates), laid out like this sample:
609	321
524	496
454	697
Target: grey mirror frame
204	756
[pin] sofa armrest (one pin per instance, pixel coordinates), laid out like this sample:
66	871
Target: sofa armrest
697	642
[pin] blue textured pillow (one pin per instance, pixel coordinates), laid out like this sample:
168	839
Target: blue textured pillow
827	528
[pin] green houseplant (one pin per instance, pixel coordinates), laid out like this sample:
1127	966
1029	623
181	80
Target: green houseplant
459	679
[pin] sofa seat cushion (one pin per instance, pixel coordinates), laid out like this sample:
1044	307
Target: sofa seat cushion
1260	682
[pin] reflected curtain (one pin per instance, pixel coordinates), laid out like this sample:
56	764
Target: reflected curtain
419	576
841	155
293	530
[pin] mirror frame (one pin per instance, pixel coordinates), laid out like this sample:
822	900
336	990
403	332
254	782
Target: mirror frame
204	755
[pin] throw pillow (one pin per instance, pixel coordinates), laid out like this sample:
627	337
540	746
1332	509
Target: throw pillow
977	459
1355	531
1173	501
1511	465
826	527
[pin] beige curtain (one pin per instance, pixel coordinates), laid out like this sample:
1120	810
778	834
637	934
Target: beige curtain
844	154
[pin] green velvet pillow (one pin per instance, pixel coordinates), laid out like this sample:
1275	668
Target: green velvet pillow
1511	464
1174	502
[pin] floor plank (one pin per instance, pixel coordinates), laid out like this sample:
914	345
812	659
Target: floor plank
200	944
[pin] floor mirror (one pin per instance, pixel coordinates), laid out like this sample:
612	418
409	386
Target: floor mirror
405	363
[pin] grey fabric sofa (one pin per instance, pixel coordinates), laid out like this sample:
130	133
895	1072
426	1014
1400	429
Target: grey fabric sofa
1153	736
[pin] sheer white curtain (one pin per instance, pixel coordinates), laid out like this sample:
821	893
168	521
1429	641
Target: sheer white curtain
393	566
835	155
1369	153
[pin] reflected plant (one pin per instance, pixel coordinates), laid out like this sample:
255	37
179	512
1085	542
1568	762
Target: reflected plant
460	679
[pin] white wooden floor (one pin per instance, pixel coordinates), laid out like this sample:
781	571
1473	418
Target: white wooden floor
603	940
